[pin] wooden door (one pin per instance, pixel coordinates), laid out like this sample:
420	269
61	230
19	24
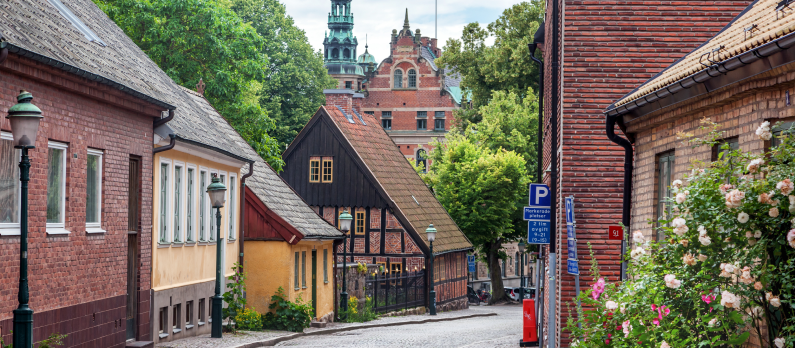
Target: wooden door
314	283
133	218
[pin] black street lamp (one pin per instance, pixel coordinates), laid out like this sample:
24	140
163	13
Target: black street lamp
24	118
522	247
431	234
345	226
217	192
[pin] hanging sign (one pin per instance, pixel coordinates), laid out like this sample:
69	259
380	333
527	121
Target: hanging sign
538	215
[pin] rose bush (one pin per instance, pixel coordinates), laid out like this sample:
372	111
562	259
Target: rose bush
725	269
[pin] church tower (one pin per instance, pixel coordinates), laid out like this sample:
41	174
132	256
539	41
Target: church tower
339	46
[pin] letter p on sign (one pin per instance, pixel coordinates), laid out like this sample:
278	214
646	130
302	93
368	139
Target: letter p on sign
539	195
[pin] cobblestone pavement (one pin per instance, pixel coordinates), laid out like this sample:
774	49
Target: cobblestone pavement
502	330
229	340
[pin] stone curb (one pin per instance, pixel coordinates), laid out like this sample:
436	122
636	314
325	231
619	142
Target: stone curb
274	341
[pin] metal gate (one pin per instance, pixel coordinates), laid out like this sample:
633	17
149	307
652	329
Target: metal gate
396	291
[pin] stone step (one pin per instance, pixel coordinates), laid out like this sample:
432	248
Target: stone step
140	344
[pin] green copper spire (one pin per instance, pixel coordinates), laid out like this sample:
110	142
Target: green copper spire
339	46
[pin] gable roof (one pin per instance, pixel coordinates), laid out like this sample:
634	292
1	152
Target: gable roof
763	24
414	204
271	190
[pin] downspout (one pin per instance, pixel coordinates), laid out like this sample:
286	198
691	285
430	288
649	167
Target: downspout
167	147
554	110
243	212
161	121
627	200
3	50
539	142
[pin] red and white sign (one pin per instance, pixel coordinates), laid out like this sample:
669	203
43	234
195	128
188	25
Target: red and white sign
615	232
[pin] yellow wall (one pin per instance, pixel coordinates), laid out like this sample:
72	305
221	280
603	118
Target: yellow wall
175	265
271	264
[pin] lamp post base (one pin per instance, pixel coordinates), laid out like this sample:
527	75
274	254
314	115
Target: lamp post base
433	302
23	326
218	308
343	304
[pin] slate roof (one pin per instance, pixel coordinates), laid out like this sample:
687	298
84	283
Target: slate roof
265	183
452	84
412	198
759	24
428	55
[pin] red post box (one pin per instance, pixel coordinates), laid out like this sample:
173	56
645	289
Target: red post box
529	328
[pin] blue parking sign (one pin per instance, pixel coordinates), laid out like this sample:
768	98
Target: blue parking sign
570	210
539	195
573	267
571	245
537	213
538	232
471	263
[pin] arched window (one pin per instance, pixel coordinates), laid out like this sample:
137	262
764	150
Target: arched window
412	79
516	264
422	159
398	79
346	53
335	53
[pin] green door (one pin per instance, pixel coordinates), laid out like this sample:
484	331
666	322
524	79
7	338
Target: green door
314	283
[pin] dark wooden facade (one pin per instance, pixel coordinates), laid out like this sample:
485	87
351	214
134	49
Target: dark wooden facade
262	223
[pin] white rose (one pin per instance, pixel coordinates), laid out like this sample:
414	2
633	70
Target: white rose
775	301
713	322
677	184
611	305
729	268
702	257
754	165
678	222
749	234
742	217
665	345
773	212
680	231
680	197
638	237
758	234
728	299
672	282
704	240
779	342
702	231
637	252
763	132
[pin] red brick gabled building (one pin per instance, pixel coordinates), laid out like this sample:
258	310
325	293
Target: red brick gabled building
608	48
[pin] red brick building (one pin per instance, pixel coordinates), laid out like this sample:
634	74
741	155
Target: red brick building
412	98
608	49
343	160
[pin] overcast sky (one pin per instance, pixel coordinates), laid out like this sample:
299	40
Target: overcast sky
375	19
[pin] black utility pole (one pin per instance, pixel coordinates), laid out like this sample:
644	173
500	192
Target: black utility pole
23	315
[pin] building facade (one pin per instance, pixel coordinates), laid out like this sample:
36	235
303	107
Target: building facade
343	160
606	54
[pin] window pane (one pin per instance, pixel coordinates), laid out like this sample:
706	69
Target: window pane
303	269
202	204
163	201
231	208
9	182
55	180
438	125
421	124
398	79
412	78
92	186
189	206
325	265
177	204
386	114
439	114
296	270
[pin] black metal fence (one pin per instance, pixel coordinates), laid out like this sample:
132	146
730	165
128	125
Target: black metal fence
391	292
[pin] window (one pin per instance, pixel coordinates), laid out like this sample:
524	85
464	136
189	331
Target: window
210	310
176	319
348	85
189	205
177	230
94	191
422	124
303	269
516	264
785	128
328	166
398	79
442	261
412	78
231	204
164	202
359	228
387	124
369	112
422	114
325	266
297	286
189	315
314	169
422	160
9	186
665	169
438	114
395	270
386	114
203	206
202	306
223	181
719	152
438	124
56	188
163	322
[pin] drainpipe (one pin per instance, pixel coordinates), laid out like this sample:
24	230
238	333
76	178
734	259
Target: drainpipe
627	201
554	110
167	147
161	121
539	142
3	50
243	212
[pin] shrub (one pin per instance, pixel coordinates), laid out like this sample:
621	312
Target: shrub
248	319
725	268
234	297
354	315
55	339
286	315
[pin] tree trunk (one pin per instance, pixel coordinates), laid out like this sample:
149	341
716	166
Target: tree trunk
497	289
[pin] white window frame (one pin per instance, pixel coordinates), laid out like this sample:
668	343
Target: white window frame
169	198
206	210
13	229
212	226
172	206
96	227
232	191
60	227
193	203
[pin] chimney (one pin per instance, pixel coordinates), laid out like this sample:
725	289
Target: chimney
358	99
343	98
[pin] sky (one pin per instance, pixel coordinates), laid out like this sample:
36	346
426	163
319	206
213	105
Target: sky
375	19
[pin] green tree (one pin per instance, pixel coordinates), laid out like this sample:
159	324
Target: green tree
479	187
295	77
505	65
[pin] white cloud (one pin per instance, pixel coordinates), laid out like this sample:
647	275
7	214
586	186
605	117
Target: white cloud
374	20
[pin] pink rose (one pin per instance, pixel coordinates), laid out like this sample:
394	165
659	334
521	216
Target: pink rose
753	167
791	238
773	212
725	188
734	198
785	186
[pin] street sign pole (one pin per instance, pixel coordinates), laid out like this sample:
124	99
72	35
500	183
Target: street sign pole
573	263
540	230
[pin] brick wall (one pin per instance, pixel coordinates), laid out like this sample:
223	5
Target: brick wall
78	281
610	48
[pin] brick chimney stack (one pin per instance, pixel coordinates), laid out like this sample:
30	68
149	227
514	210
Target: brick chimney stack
346	99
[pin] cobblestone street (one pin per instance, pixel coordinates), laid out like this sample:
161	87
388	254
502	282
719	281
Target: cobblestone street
502	330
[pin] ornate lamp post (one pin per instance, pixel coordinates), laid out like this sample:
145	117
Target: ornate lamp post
431	234
345	226
24	118
217	192
522	247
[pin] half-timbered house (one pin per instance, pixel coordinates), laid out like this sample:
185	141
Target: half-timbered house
344	160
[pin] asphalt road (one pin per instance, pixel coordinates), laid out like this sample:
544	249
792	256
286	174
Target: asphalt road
502	330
